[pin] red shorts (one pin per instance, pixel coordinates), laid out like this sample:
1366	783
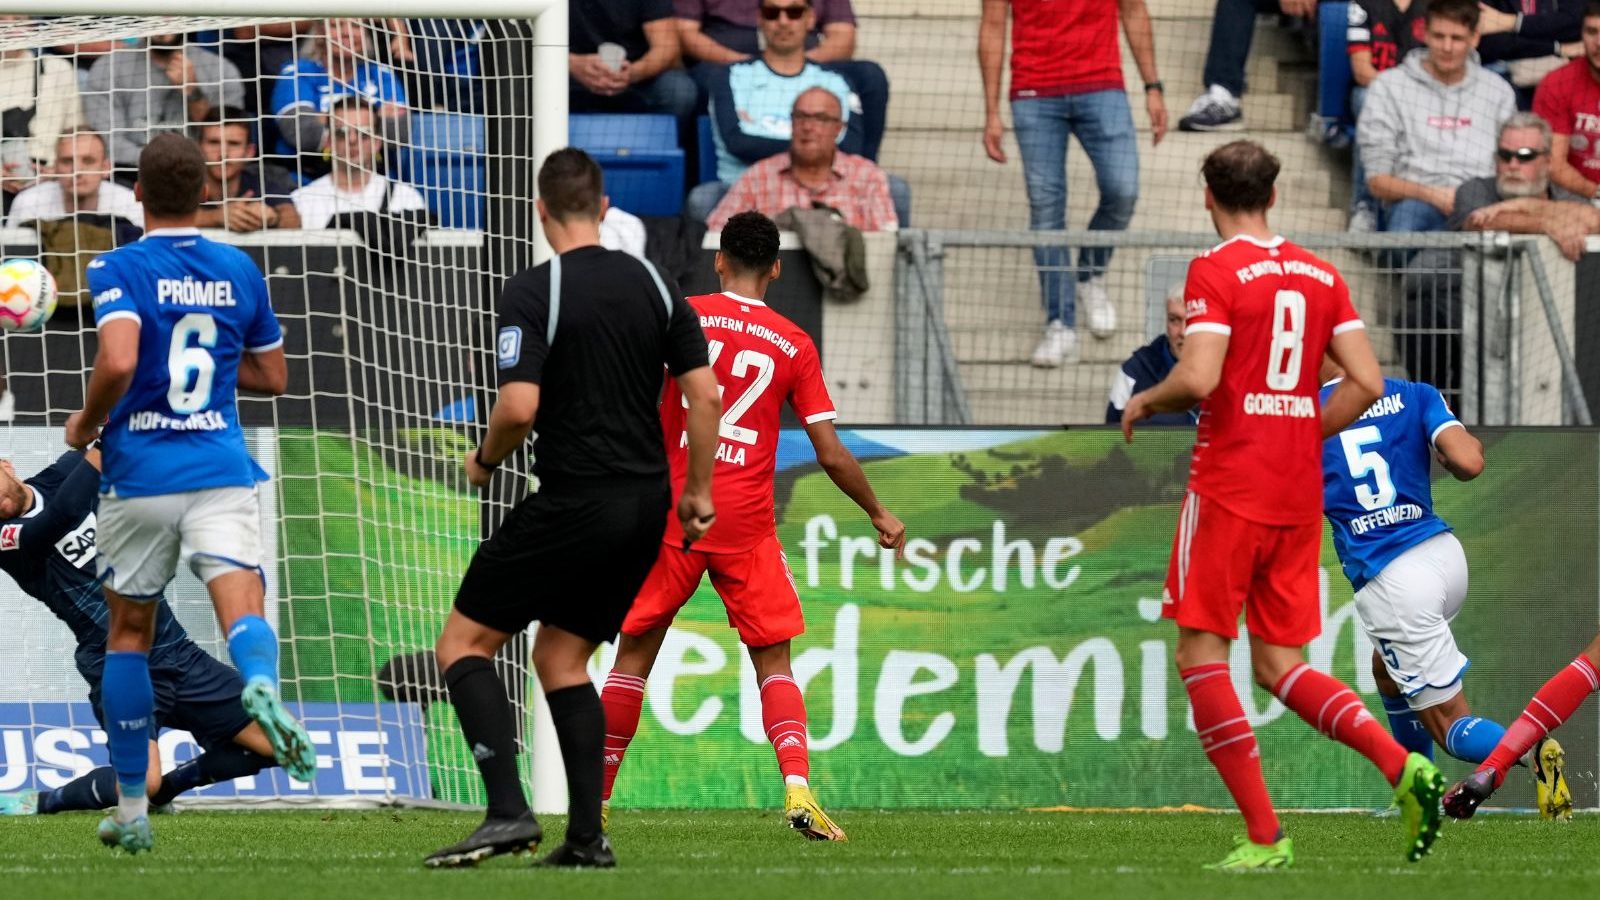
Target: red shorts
755	586
1222	564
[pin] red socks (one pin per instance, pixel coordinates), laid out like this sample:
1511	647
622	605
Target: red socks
1555	703
1229	742
783	712
1335	710
622	698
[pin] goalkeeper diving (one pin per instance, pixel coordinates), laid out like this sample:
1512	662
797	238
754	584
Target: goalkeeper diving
47	545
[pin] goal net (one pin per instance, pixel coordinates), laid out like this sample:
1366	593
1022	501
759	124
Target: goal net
380	175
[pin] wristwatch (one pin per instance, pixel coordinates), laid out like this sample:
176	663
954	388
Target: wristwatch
1156	86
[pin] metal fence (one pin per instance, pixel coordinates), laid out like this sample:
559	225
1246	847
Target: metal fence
1487	317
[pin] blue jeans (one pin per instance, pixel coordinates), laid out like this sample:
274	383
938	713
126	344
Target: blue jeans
672	93
1412	215
1360	194
1103	124
1233	27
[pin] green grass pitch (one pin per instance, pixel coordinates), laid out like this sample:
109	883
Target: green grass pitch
700	854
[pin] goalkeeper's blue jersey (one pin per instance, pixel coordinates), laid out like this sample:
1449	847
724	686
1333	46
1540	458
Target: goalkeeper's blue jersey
200	306
49	550
1376	478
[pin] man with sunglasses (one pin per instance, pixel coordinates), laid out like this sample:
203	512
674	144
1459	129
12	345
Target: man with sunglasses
1520	197
355	184
751	101
1569	99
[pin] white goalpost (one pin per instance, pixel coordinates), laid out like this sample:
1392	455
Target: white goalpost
389	321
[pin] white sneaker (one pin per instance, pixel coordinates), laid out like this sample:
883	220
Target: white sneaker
1363	221
1059	345
1093	299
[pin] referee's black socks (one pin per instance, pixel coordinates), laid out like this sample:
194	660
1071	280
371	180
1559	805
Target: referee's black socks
580	723
486	721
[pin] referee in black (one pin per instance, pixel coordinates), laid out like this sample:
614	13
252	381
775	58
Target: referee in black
581	347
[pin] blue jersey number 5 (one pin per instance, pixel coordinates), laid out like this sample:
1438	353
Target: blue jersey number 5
1362	462
191	367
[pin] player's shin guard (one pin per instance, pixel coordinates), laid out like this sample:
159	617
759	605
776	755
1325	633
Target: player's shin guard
1407	728
1473	738
128	702
783	712
1555	703
254	649
1230	744
623	698
480	701
580	723
1335	710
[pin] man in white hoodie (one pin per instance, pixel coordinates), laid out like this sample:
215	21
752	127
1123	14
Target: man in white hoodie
1432	122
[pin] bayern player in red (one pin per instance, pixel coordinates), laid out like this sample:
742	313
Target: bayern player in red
1261	314
761	360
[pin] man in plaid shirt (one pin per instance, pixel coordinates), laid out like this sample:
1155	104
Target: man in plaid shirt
815	172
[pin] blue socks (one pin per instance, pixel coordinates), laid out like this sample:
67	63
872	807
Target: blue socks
1472	738
254	649
128	704
1407	728
96	790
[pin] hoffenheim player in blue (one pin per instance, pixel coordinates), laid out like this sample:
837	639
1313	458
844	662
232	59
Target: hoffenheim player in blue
183	323
1408	570
47	545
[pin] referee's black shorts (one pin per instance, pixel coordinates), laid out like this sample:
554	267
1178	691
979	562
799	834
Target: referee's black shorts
573	556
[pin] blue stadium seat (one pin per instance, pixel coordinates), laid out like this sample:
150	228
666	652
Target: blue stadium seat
445	162
640	156
1333	74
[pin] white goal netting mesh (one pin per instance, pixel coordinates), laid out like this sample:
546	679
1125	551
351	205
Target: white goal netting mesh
351	159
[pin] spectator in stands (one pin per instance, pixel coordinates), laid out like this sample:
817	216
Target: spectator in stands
38	103
78	182
337	61
1527	30
1066	80
644	76
1430	123
152	86
814	172
751	100
1520	196
1569	99
1378	35
1233	27
1150	364
447	60
723	32
354	184
242	193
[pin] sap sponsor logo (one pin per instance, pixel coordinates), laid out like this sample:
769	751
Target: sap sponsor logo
46	745
508	347
189	292
106	296
11	536
1195	307
77	546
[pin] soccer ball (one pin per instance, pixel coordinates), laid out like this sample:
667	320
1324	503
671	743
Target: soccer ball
27	295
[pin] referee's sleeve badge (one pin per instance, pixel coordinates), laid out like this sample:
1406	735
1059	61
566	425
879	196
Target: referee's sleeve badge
508	349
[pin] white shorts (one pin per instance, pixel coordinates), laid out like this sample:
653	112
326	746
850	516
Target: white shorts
1406	611
141	539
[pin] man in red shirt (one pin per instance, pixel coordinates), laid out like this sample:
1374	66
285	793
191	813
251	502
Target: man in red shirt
761	360
1569	99
1262	312
1066	80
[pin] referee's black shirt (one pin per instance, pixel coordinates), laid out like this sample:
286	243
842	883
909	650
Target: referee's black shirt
600	379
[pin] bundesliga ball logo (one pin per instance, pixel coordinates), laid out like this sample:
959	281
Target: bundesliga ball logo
27	295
